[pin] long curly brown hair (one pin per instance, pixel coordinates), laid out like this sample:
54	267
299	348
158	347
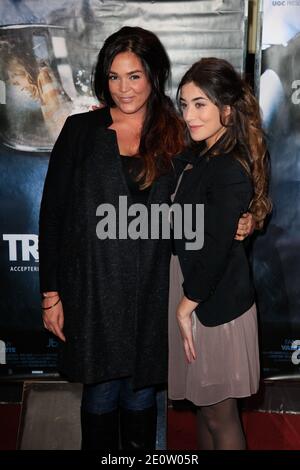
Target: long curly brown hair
162	134
244	137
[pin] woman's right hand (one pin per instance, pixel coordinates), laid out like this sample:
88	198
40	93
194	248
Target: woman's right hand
184	319
53	318
94	107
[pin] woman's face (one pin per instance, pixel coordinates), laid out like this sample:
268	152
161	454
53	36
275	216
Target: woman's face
128	83
201	115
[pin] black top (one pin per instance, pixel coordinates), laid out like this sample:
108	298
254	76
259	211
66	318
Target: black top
217	275
131	169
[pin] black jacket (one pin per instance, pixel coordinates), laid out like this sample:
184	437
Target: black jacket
218	274
114	292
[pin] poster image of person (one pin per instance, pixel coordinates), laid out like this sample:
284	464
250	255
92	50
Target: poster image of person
34	102
47	53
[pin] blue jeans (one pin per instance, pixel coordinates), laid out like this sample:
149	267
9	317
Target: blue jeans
108	396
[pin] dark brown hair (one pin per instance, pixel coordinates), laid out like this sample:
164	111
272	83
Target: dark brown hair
162	134
244	136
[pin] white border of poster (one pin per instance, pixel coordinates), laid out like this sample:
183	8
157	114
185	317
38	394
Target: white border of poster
276	257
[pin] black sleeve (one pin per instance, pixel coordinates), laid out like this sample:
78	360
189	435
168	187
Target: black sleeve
229	196
53	203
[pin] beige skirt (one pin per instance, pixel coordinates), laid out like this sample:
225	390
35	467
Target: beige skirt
227	356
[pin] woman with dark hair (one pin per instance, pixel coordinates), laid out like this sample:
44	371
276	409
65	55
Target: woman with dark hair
213	346
106	297
109	295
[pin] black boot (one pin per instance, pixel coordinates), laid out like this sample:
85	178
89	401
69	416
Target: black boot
99	431
138	429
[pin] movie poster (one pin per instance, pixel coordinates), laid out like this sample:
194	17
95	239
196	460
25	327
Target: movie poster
47	53
277	252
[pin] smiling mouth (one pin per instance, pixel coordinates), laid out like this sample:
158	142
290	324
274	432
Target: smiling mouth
194	128
126	99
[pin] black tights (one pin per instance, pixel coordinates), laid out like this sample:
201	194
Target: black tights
219	427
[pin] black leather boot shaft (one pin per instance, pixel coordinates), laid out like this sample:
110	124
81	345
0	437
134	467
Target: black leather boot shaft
99	432
138	429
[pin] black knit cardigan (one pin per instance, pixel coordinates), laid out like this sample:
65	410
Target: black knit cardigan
114	292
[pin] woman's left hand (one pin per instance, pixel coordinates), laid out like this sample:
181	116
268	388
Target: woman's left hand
184	318
246	226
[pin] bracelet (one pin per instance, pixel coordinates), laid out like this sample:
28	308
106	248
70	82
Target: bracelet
47	308
45	296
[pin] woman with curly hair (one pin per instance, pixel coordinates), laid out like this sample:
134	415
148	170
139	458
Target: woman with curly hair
213	345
